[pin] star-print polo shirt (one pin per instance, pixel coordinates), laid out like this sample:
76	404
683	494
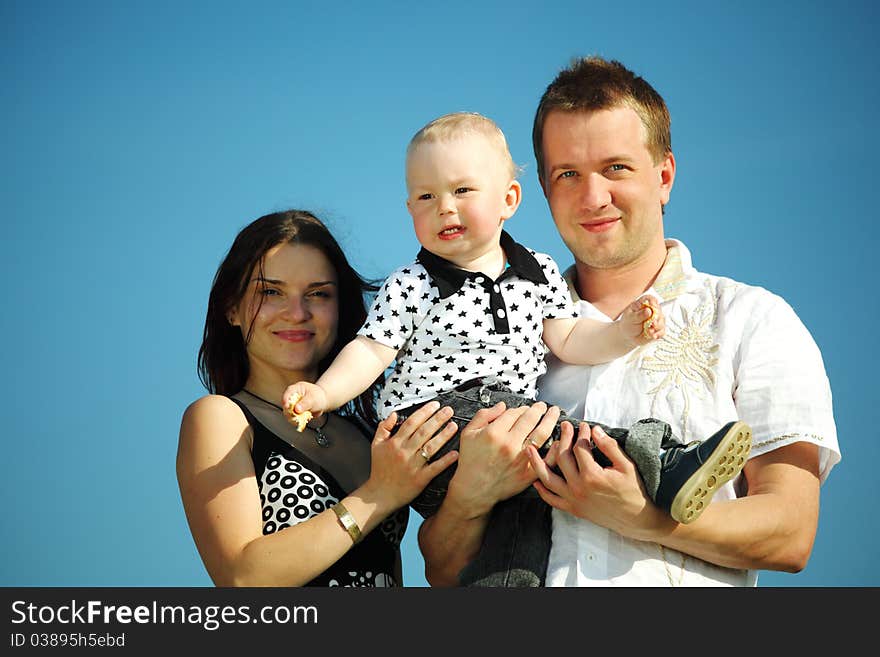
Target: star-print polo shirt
450	325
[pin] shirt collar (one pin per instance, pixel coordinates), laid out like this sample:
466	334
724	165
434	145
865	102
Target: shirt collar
670	282
672	279
449	279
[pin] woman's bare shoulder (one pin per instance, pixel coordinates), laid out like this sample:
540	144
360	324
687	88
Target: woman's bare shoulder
213	416
210	404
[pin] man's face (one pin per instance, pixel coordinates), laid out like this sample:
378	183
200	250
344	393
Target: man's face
605	192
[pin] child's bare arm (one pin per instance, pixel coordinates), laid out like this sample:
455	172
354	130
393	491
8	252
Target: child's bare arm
352	372
589	342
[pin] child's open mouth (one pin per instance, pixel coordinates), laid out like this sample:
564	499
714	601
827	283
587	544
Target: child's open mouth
451	233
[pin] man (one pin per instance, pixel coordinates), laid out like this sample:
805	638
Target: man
732	351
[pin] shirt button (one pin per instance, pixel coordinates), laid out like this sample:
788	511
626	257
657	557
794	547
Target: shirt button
479	279
497	289
500	312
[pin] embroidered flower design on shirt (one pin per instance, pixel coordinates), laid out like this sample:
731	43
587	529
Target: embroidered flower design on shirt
684	360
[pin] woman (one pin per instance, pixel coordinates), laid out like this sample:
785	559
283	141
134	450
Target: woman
268	505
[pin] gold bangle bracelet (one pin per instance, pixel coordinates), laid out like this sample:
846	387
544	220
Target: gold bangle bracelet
347	521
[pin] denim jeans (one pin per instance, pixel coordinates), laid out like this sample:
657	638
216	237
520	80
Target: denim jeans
516	544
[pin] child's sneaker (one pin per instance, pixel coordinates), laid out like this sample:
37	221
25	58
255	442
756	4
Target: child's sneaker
690	474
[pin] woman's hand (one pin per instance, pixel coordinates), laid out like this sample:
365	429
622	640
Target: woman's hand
399	468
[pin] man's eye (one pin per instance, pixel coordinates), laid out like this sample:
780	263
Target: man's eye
617	167
566	174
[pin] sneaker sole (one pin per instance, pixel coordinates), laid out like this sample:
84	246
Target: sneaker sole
724	464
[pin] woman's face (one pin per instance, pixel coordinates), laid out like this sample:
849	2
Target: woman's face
294	310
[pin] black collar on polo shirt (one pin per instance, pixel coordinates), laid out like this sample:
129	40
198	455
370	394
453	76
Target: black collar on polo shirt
448	278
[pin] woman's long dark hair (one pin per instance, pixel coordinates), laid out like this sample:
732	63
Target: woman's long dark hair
223	363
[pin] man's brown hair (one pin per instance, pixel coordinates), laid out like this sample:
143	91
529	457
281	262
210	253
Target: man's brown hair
592	84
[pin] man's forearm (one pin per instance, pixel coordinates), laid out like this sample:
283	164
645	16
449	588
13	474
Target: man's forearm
492	467
449	540
772	528
758	540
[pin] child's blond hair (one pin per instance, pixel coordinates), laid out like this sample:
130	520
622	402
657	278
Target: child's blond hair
457	124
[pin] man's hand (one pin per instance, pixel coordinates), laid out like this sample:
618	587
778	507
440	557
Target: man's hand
613	497
493	464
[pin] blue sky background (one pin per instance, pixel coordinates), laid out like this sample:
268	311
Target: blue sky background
139	137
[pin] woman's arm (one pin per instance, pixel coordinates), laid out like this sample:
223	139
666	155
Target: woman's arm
218	487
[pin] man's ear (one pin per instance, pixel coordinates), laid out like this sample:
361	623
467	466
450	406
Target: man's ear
512	199
667	177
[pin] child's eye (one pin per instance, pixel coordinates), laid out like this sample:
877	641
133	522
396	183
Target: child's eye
425	197
463	190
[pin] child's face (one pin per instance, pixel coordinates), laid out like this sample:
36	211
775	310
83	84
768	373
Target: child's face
459	194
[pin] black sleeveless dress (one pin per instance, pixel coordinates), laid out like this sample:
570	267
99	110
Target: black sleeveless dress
294	488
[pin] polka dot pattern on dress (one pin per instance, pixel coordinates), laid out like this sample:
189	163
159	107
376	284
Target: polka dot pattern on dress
291	493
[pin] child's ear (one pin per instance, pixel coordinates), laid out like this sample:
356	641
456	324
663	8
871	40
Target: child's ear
512	199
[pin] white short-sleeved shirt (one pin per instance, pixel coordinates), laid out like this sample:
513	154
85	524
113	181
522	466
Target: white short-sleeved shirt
450	325
731	351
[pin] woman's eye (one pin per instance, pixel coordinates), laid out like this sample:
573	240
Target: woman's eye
269	292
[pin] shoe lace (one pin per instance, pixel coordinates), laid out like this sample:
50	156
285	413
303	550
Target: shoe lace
670	452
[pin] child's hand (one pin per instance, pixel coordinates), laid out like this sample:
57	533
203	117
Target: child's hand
301	402
643	321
